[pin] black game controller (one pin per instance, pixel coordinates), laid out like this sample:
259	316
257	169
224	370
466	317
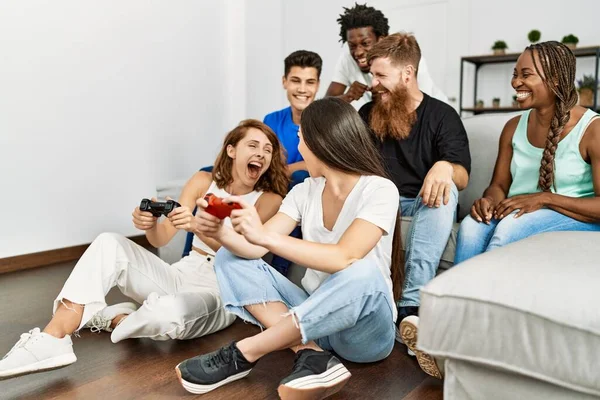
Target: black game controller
158	208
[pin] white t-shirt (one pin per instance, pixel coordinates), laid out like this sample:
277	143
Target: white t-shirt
373	199
347	71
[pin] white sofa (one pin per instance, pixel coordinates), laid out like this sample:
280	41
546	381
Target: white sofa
519	322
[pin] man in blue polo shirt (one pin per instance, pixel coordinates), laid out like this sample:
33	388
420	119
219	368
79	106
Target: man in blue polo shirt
302	70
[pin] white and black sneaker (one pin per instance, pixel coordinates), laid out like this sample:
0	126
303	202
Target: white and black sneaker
207	372
37	351
316	375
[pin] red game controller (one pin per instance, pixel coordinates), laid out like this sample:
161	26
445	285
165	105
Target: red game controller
218	208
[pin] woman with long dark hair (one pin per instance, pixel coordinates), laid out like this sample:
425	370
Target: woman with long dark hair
348	212
547	174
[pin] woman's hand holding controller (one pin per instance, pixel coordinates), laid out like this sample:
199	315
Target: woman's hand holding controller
143	220
207	224
182	218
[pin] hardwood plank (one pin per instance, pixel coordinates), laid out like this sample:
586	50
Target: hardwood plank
430	389
144	369
50	257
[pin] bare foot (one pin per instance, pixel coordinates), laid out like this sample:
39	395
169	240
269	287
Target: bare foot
117	320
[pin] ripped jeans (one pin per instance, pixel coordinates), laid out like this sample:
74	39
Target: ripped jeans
350	313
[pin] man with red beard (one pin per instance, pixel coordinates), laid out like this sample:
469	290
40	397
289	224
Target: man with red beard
426	150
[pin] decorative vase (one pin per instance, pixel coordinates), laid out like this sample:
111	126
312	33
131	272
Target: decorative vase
496	103
572	46
499	52
479	104
586	97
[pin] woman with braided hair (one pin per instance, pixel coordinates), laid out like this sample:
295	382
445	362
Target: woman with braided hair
547	174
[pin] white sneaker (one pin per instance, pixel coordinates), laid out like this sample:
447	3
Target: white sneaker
102	319
37	351
409	328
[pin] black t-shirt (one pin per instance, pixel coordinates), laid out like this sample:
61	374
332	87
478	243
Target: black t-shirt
437	135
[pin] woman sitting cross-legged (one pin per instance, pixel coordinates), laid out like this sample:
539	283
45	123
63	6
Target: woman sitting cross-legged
179	301
547	175
348	212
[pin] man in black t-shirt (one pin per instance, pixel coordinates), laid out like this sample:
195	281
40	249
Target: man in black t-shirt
426	150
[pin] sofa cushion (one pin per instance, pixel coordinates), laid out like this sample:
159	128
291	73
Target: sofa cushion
463	381
530	307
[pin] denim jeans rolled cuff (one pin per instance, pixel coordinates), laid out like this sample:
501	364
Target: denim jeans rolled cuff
246	282
350	313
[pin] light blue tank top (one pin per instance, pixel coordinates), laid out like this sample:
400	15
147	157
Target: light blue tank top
572	175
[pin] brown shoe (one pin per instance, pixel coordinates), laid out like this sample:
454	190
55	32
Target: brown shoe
409	331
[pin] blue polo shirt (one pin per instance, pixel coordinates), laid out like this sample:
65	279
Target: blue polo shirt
287	131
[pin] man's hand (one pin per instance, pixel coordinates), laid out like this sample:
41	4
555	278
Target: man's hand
355	92
437	185
483	209
525	203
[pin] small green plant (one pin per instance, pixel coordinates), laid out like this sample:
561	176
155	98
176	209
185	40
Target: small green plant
515	97
534	36
587	82
500	45
497	99
570	39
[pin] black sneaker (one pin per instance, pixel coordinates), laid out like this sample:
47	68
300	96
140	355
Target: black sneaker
316	375
207	372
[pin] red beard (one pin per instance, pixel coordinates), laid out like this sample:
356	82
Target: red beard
392	118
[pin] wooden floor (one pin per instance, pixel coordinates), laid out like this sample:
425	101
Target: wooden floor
144	369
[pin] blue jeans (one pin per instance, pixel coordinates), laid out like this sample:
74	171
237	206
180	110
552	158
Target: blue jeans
350	313
279	263
475	238
426	240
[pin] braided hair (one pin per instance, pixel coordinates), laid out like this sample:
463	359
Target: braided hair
558	66
362	16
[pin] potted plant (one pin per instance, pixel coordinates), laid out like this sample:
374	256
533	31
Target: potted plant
496	102
479	104
499	47
587	87
515	103
534	36
570	41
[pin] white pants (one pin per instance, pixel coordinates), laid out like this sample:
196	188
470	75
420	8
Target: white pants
179	301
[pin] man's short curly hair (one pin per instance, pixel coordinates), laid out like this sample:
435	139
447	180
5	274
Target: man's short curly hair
362	16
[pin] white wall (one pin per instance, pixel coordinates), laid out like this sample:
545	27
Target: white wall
100	101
